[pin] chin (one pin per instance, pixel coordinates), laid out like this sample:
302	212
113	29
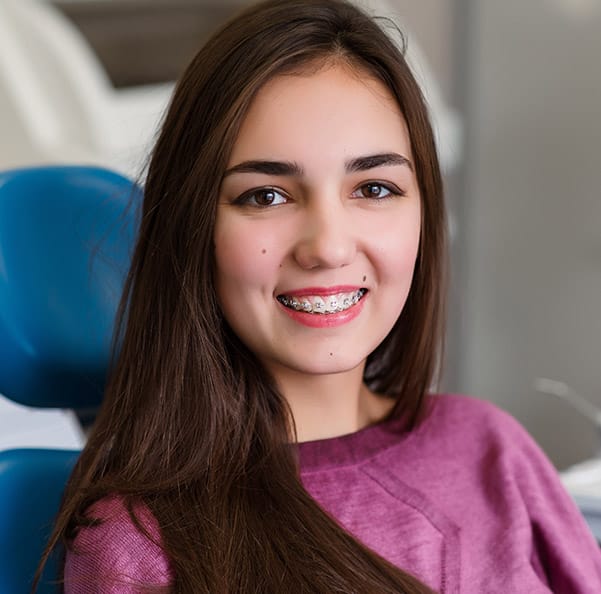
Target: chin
327	364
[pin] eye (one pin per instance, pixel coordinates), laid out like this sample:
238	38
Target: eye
262	197
377	191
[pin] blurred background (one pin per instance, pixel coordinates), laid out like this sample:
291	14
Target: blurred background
515	90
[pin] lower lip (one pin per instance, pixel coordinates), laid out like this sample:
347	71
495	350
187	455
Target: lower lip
325	320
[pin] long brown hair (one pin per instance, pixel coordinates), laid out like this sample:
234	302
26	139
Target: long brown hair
191	424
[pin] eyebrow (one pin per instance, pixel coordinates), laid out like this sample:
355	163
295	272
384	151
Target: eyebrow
372	161
291	169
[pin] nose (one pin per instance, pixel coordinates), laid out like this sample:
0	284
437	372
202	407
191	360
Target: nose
326	239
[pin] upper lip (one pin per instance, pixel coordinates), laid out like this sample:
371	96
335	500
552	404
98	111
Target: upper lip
321	291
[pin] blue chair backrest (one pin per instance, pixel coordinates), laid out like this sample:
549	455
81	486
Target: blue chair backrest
66	236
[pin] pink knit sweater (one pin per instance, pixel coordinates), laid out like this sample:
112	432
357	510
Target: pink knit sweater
467	502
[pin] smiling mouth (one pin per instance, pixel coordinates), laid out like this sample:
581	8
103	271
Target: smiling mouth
315	304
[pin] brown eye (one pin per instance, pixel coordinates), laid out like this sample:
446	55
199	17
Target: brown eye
263	197
372	190
377	191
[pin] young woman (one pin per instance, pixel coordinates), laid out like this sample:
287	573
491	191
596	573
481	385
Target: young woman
267	427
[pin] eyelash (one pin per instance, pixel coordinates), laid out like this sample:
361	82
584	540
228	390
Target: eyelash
393	191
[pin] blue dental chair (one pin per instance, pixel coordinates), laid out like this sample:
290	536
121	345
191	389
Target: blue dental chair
66	236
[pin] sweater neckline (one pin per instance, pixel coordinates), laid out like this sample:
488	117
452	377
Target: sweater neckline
351	449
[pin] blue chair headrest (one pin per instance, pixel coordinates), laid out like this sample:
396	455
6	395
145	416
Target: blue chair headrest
66	237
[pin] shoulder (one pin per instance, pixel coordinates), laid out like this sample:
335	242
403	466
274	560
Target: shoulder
116	554
523	488
467	416
494	444
479	432
468	408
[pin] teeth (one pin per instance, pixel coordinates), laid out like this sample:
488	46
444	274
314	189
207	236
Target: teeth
319	305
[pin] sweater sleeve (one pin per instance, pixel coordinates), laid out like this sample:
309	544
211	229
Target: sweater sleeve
564	548
115	557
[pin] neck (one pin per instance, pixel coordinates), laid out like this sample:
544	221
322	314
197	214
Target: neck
330	405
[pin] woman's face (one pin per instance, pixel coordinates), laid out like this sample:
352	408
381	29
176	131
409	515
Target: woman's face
318	222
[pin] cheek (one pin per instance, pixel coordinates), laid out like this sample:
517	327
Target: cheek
397	249
244	259
400	255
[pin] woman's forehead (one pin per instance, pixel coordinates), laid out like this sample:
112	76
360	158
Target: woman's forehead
334	112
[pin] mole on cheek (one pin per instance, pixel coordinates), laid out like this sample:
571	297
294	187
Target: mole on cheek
364	278
263	251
